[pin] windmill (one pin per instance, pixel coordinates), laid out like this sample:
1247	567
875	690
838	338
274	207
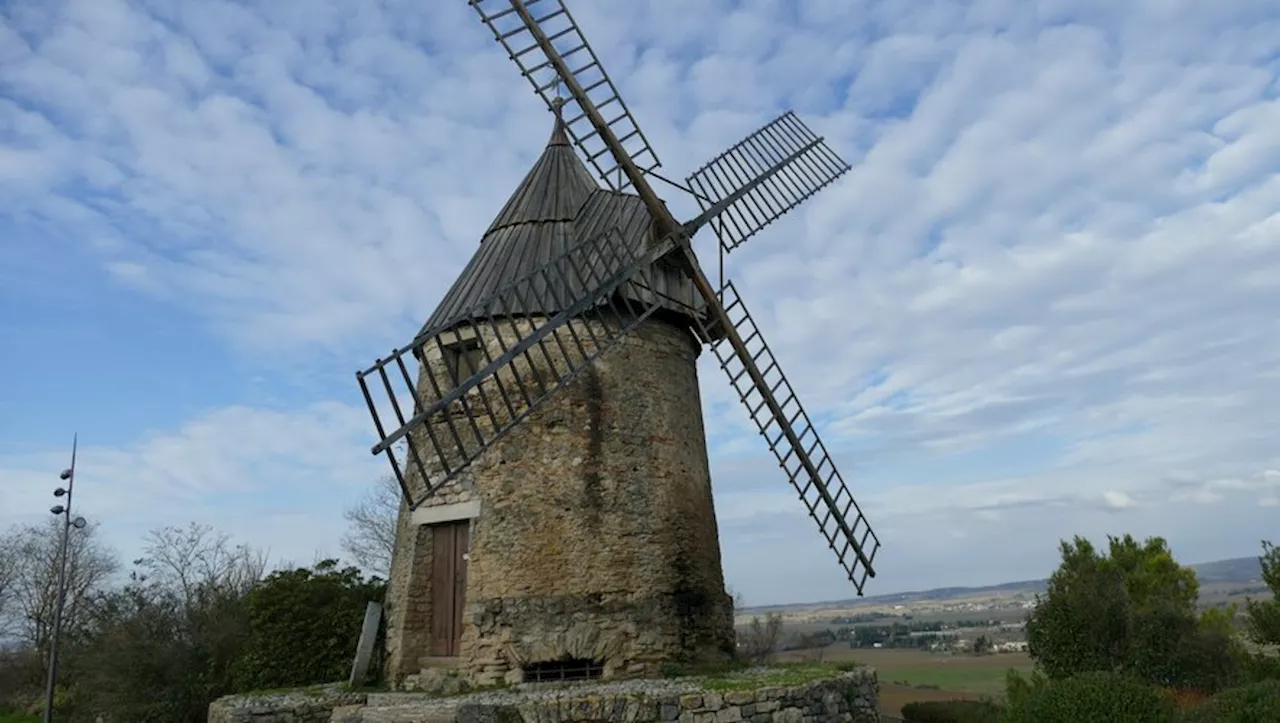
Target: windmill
571	279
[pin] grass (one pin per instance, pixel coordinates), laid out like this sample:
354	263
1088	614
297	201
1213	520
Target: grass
8	715
316	690
910	675
987	680
778	674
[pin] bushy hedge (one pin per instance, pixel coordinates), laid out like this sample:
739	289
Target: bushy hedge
1087	697
951	711
304	625
1253	703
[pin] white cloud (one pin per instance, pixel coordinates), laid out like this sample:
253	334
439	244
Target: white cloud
1052	277
277	479
1117	500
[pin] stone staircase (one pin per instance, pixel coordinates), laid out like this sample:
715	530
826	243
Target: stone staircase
438	676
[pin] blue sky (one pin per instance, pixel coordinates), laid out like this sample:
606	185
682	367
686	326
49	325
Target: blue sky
1045	301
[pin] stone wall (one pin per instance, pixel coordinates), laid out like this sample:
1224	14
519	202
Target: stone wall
850	697
596	535
307	705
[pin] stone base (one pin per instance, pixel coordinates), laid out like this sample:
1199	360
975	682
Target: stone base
629	636
756	696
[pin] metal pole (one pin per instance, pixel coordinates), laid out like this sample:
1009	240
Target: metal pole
62	590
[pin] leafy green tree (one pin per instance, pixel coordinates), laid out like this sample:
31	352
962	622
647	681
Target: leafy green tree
1173	649
1131	610
1262	617
304	626
1082	622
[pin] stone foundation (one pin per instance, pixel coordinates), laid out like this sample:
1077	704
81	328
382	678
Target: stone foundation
630	635
761	696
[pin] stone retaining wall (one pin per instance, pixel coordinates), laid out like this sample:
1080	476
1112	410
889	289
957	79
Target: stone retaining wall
307	705
751	697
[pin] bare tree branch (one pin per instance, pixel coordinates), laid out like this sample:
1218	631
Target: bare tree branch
760	640
371	533
189	561
8	578
33	551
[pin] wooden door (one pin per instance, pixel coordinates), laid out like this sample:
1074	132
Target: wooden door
449	544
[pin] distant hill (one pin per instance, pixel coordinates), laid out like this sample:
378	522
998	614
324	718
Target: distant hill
1238	569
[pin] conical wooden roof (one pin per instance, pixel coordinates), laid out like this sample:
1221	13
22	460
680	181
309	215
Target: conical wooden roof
557	206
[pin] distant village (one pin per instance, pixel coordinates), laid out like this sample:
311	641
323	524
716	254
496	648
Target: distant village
992	625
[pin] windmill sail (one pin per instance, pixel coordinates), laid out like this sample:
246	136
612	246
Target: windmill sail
743	190
762	177
522	27
485	370
794	441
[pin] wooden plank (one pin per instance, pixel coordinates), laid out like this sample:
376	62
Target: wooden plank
461	546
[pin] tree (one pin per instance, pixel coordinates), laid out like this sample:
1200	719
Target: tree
760	639
1173	649
162	647
8	576
1262	617
1131	611
982	645
187	561
371	534
739	602
1082	621
34	553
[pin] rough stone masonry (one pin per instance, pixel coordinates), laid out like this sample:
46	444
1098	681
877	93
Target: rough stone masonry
850	697
591	526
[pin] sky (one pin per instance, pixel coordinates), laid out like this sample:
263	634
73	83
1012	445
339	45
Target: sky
1044	302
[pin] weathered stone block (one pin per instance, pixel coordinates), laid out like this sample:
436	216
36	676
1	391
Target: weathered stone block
740	697
731	714
691	701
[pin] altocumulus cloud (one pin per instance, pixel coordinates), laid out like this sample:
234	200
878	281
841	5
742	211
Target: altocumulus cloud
1046	301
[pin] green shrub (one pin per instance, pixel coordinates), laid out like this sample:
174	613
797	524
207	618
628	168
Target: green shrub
1095	696
304	625
951	711
9	715
1253	703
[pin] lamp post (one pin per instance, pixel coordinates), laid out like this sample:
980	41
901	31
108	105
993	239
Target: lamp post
69	476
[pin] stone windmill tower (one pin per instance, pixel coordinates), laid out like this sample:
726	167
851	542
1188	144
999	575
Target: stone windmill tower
558	520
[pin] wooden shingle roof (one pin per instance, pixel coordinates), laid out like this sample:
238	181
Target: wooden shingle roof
557	206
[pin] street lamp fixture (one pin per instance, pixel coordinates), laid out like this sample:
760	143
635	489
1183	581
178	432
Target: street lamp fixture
68	475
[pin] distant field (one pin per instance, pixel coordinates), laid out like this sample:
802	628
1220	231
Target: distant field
902	672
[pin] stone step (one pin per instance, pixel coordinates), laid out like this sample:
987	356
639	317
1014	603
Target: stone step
439	661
